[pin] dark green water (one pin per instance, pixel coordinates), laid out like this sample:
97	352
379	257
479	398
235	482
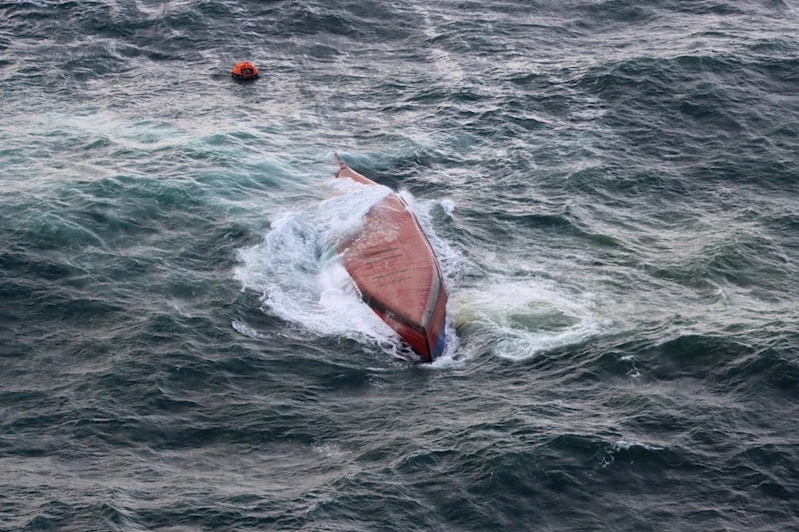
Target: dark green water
613	191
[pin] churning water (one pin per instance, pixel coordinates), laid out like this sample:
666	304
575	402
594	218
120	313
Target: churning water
612	189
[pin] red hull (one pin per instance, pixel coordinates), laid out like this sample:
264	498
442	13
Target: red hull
396	271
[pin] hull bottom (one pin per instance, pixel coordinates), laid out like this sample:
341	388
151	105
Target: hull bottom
396	271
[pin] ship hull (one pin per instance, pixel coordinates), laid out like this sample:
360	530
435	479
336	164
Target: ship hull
397	273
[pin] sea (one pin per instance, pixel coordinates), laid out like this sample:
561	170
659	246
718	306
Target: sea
611	188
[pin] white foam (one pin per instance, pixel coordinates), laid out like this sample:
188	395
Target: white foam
449	206
330	450
516	319
299	274
448	359
624	445
632	371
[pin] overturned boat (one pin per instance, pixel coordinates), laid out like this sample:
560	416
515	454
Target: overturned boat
396	271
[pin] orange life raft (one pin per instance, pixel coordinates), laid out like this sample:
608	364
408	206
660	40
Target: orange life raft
245	70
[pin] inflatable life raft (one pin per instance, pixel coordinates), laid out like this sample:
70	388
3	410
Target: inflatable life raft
245	71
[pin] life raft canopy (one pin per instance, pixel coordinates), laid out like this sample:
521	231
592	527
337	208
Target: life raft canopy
245	70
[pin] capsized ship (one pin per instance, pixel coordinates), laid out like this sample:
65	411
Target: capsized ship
397	272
